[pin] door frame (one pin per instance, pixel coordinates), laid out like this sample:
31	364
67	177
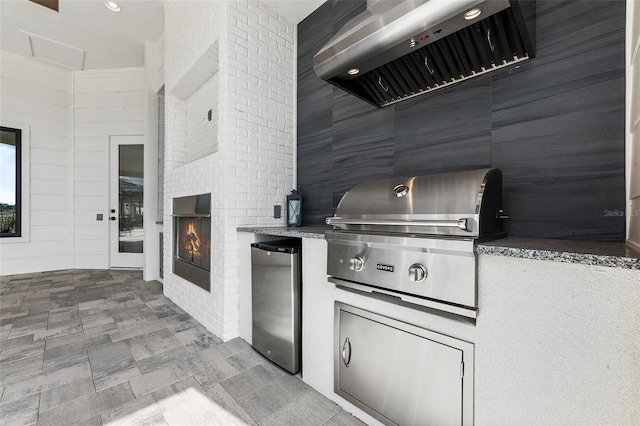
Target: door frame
109	241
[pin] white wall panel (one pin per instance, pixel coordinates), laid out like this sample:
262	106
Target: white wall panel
43	140
90	159
34	73
83	188
105	102
48	233
38	124
95	143
48	202
90	173
36	108
36	95
49	156
48	171
90	202
112	99
102	129
109	81
48	187
49	217
107	115
10	86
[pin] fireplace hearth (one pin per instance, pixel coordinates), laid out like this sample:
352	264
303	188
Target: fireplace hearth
192	239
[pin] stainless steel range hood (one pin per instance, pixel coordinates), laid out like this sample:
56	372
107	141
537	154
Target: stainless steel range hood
396	50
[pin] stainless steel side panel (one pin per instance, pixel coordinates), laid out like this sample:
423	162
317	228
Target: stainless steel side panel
399	373
450	264
276	307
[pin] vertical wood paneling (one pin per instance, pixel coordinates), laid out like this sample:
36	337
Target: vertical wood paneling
553	124
36	94
105	102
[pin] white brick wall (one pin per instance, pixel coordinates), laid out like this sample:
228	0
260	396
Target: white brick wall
202	133
253	168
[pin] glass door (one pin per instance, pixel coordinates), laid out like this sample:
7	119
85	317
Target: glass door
126	209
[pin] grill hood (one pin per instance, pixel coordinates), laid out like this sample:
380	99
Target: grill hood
406	48
462	204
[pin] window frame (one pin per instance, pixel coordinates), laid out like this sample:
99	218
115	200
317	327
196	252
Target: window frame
25	140
18	186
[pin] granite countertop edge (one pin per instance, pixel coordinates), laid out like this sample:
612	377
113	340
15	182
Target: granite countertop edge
613	255
313	232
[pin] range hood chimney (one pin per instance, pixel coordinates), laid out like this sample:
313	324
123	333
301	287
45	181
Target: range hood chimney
399	49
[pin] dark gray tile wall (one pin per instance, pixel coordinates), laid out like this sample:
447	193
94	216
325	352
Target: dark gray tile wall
553	124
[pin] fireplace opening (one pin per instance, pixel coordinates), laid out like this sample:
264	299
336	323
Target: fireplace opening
194	244
192	239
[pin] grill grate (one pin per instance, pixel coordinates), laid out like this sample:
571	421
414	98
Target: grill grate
484	46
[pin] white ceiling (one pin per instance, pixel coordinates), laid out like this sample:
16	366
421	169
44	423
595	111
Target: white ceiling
110	40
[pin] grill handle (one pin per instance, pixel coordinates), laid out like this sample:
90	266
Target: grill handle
460	223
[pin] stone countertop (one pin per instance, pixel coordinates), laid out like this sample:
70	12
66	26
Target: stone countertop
316	232
616	255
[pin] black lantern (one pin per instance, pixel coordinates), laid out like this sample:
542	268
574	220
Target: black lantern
294	209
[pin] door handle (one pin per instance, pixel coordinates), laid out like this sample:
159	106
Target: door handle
346	352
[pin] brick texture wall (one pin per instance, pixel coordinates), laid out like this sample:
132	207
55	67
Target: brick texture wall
252	168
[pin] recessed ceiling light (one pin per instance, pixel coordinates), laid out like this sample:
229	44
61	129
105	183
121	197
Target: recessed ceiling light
113	6
472	14
353	71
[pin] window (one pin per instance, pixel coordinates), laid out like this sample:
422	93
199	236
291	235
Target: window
10	181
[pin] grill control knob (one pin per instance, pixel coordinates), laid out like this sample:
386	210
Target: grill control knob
417	272
356	263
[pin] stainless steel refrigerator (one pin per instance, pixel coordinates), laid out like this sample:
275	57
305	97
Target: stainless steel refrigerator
276	301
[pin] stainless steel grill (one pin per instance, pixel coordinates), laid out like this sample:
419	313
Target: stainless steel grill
415	238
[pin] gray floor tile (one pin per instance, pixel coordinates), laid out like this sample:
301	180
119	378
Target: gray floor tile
100	330
344	418
20	412
185	403
152	343
54	342
19	351
96	320
76	345
142	411
114	373
108	353
118	335
64	314
267	400
85	409
246	359
250	380
68	392
103	338
233	347
44	382
12	372
310	409
215	373
60	328
198	338
53	364
150	382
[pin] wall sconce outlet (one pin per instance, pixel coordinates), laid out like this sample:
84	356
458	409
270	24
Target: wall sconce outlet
277	211
99	216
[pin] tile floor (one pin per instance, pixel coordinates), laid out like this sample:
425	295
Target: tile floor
104	347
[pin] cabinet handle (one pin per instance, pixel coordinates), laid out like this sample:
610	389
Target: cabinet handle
346	352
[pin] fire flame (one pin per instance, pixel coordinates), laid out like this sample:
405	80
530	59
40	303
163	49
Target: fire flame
192	241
